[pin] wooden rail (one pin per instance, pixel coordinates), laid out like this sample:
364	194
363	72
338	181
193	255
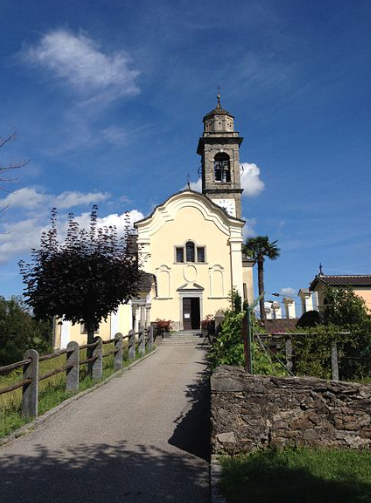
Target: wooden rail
31	376
8	368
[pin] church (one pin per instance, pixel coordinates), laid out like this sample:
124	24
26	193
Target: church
190	246
192	242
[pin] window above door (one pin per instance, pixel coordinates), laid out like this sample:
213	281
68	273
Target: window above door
190	252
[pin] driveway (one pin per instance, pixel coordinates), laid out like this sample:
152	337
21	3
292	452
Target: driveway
142	437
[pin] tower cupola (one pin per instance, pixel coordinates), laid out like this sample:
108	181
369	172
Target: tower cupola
218	121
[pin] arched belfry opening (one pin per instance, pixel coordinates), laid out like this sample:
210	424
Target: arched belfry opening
222	168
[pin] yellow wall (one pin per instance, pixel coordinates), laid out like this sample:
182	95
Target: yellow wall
77	336
172	226
365	293
248	280
120	322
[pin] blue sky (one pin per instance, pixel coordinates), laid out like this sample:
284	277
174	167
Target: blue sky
107	100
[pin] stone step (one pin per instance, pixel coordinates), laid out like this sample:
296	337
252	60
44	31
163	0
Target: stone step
195	333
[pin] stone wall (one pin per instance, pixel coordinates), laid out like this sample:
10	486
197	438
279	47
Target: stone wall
250	412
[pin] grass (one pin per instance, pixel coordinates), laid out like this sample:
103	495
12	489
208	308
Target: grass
298	475
52	391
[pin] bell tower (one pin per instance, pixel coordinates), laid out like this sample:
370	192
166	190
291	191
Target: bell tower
219	148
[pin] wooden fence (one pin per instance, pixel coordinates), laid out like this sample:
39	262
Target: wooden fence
278	339
30	364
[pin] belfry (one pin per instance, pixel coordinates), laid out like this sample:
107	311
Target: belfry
219	148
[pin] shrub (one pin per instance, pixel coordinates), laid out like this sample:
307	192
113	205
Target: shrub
162	326
19	331
228	348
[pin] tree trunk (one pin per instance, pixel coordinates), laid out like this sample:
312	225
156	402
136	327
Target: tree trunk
261	288
90	339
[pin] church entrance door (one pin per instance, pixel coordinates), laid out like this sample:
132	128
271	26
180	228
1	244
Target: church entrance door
191	313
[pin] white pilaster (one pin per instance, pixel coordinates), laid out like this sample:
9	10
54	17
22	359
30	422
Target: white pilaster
289	303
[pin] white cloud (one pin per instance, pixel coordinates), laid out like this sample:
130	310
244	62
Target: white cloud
288	291
250	181
115	135
27	198
197	186
17	239
248	230
73	198
119	136
114	219
33	199
79	61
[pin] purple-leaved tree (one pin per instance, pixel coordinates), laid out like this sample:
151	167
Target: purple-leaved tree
85	277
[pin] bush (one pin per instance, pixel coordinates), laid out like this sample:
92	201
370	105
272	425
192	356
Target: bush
309	319
162	326
312	352
228	348
19	331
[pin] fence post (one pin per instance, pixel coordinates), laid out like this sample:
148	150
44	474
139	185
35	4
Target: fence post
150	337
72	374
117	362
97	367
288	346
131	354
334	362
142	341
31	390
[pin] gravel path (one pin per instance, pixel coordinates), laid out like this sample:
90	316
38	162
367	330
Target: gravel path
142	437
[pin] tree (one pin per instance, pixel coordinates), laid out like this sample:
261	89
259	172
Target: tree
83	279
5	168
343	308
19	331
260	248
345	320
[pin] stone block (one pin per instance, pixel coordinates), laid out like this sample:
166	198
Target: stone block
226	437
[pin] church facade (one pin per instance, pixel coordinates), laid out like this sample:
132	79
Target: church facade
192	243
189	247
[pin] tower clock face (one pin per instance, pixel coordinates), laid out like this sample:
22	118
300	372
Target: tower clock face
229	205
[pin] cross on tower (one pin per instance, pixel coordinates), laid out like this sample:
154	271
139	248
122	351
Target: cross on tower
219	88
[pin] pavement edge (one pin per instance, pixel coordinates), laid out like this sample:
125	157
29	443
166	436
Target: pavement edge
215	477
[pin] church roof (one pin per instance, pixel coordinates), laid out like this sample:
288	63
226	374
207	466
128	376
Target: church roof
357	280
198	194
218	110
146	281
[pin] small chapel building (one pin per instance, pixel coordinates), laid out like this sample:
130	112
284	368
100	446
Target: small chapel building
190	246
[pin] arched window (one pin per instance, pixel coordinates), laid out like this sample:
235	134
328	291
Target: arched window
190	251
222	169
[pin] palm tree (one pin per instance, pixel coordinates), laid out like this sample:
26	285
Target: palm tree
259	248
